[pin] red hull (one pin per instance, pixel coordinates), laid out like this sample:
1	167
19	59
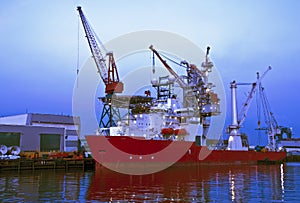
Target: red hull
129	150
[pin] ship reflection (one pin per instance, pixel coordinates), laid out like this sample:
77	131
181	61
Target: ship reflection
241	183
244	183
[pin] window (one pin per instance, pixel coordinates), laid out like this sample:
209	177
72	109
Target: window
10	138
49	142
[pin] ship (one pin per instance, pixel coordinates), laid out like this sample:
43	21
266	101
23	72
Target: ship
165	134
170	128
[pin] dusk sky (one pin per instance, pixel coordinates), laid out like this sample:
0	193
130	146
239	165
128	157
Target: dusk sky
39	41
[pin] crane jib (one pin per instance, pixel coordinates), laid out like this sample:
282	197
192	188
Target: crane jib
245	108
109	75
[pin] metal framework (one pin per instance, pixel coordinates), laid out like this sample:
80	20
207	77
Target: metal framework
109	75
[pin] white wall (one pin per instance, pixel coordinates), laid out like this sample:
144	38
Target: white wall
14	120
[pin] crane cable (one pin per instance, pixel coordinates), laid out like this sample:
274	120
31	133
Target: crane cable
153	63
272	120
78	53
173	61
258	112
99	41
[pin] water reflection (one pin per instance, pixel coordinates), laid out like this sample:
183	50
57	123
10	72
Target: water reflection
36	186
247	183
193	184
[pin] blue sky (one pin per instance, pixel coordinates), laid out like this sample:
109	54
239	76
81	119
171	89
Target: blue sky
38	43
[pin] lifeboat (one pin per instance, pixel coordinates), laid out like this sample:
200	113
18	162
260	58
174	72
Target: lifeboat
180	131
167	131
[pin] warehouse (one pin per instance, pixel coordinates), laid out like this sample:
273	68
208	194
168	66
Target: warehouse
40	132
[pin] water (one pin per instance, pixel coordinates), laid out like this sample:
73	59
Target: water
254	183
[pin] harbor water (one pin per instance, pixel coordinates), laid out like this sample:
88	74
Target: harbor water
244	183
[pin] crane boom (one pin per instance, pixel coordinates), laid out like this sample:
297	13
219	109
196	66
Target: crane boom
178	79
109	75
97	55
245	108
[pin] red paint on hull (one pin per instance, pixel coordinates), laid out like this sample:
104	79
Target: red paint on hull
125	149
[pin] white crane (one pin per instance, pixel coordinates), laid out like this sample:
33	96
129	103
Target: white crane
235	141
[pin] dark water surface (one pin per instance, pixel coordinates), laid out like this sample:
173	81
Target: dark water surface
247	183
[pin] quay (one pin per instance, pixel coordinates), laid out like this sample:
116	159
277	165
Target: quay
84	164
292	158
21	164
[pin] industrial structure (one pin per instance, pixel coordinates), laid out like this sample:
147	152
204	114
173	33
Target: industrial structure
40	132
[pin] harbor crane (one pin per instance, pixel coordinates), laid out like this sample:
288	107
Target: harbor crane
236	141
108	73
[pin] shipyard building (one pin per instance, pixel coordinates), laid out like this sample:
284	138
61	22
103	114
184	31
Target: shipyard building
40	132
